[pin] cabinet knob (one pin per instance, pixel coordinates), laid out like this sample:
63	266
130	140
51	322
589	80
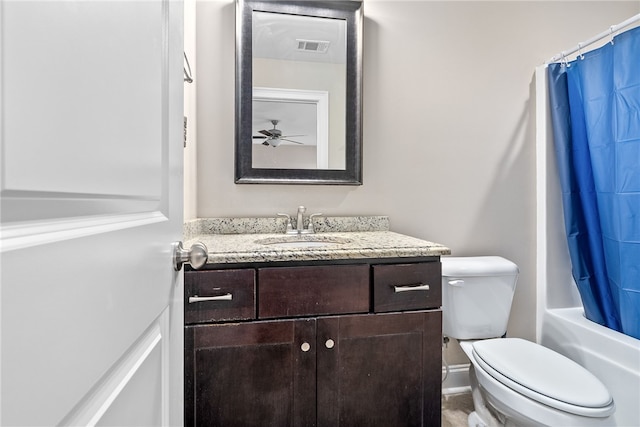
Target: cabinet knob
329	343
305	346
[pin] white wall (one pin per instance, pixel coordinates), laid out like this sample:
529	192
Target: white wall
449	146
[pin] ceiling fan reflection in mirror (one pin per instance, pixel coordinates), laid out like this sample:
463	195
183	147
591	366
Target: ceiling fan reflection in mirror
274	137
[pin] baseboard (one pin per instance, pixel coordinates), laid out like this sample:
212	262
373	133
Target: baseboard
457	380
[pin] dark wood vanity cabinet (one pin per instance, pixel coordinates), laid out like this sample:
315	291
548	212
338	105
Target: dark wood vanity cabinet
320	348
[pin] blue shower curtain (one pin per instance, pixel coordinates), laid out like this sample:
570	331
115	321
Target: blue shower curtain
595	111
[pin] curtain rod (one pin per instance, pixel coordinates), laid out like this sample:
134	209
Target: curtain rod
610	32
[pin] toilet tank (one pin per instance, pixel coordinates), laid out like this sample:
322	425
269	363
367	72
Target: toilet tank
476	296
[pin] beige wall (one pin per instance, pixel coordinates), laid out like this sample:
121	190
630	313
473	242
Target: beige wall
448	125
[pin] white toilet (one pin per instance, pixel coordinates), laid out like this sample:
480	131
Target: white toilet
514	382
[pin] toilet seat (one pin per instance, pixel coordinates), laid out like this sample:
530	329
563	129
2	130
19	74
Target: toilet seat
544	376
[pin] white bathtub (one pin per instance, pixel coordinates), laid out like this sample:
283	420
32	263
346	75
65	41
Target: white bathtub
611	356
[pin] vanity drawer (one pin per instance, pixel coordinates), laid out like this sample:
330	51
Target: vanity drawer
219	295
313	290
407	286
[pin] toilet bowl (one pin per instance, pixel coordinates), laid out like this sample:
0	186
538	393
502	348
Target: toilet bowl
514	382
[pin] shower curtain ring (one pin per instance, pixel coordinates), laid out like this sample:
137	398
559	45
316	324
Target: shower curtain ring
580	51
564	59
612	29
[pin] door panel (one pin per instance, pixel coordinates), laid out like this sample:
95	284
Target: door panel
133	388
91	194
67	101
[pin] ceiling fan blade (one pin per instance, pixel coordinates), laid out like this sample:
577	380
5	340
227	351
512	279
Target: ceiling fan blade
265	132
259	137
290	136
290	140
266	143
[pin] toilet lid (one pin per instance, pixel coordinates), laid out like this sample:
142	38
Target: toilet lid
477	266
543	375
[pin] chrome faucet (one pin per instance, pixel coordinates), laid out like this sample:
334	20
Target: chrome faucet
300	219
300	222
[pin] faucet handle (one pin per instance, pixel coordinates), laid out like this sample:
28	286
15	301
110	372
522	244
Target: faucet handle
289	229
310	227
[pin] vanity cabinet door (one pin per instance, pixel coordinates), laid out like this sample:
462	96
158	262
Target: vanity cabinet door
260	374
379	370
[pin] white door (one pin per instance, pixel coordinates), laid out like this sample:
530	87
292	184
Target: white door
91	200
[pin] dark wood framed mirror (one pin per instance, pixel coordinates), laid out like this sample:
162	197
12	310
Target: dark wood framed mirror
298	92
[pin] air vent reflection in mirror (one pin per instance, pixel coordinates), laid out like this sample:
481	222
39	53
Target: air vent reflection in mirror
317	46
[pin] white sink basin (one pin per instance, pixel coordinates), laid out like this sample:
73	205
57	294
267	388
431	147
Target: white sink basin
304	241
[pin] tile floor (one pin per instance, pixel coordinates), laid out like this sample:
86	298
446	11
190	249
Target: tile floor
455	409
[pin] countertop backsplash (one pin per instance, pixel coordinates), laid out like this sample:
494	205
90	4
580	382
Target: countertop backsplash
276	225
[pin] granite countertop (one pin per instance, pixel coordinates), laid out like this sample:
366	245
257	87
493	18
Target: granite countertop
247	240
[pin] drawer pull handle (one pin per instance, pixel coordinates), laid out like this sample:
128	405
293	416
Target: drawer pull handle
409	288
225	297
305	347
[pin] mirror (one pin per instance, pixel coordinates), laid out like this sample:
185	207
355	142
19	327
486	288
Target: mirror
298	92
